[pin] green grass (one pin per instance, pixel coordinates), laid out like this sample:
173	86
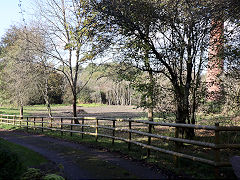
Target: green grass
29	110
8	127
91	105
27	156
225	119
9	110
43	106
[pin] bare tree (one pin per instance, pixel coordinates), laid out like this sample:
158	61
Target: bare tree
68	29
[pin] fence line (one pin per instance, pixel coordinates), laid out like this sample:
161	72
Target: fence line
41	122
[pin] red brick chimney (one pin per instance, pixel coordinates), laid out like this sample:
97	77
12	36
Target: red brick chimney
215	62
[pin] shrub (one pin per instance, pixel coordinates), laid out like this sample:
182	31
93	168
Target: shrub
32	174
53	177
10	165
213	107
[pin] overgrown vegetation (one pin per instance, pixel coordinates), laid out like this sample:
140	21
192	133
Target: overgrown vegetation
11	166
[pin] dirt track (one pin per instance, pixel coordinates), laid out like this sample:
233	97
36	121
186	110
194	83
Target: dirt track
100	111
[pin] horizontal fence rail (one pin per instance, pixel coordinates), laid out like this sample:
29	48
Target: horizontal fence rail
98	127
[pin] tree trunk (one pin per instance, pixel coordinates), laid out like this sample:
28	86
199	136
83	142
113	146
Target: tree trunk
150	98
183	115
49	110
46	98
191	133
21	110
75	107
150	114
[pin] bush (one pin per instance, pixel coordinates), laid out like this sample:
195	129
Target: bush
53	177
85	96
32	174
213	107
10	165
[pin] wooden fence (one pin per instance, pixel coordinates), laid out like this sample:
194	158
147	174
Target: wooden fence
96	127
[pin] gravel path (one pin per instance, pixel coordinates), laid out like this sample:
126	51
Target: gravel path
81	162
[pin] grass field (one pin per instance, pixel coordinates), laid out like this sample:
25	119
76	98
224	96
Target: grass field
29	110
227	118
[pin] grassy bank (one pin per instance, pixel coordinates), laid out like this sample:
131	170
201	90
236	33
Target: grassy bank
27	156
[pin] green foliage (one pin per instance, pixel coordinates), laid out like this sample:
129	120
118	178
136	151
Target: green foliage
11	167
85	95
36	174
105	85
53	177
55	85
213	107
20	74
32	174
26	156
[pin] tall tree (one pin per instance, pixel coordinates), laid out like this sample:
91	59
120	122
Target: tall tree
19	70
25	79
177	35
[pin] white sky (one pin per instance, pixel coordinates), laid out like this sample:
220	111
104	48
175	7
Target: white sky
10	13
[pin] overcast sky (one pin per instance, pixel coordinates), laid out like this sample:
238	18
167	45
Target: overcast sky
10	13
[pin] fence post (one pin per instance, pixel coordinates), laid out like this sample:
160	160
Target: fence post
14	123
217	152
42	124
96	132
129	135
71	127
20	120
113	132
51	123
1	118
82	127
7	119
176	158
27	124
149	138
61	126
34	123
